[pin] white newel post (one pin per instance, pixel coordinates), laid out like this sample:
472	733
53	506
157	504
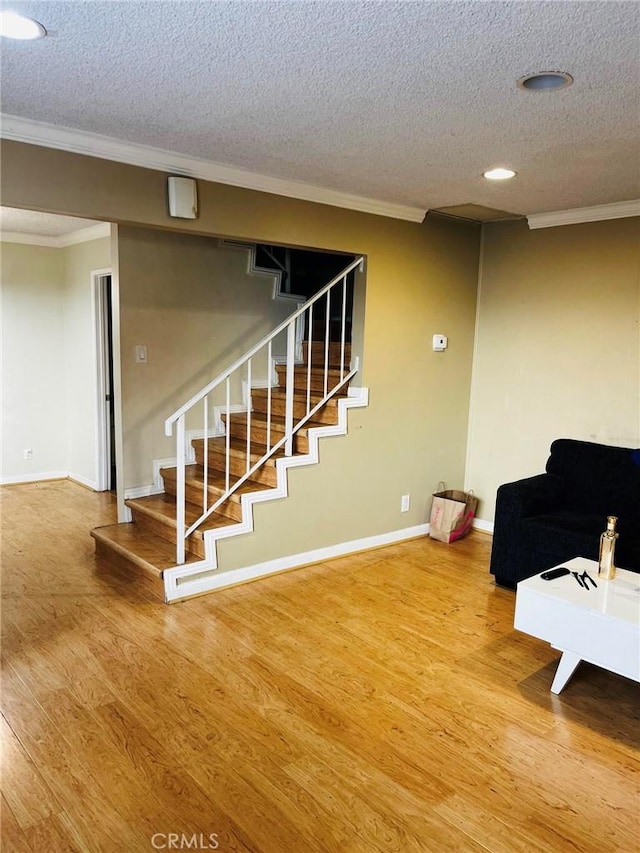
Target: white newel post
344	326
288	417
180	493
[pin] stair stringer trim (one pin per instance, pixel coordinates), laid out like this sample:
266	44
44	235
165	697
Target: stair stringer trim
266	272
197	578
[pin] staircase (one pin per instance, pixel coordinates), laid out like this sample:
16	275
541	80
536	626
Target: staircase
210	492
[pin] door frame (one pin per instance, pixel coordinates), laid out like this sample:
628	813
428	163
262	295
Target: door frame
100	290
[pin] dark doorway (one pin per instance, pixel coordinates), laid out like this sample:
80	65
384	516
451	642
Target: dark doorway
106	449
109	394
303	273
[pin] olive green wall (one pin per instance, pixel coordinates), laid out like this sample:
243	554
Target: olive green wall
421	279
193	305
558	346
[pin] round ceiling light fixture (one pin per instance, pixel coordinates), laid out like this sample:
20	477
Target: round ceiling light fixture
15	26
545	81
499	174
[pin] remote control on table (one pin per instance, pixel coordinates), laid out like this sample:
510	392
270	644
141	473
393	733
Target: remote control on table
552	574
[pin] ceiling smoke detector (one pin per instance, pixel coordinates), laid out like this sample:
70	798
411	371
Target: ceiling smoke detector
545	81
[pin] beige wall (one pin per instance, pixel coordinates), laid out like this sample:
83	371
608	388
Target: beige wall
33	382
558	346
414	431
193	305
49	359
421	279
81	369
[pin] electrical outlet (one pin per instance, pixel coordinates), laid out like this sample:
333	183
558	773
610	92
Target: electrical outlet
404	503
28	453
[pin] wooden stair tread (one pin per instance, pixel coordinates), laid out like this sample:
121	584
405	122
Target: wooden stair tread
194	475
317	365
316	380
259	419
321	342
238	448
163	507
140	547
318	351
301	368
300	396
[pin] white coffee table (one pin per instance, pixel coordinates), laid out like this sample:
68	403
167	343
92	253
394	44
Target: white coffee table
600	626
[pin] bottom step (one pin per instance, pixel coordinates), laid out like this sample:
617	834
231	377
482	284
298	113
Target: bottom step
130	546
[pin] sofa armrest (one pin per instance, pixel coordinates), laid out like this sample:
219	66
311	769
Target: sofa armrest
515	501
531	496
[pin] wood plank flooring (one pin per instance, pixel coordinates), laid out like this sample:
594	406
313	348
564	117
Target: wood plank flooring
380	702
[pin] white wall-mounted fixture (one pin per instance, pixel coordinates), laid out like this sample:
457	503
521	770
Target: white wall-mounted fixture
15	26
183	198
141	354
440	343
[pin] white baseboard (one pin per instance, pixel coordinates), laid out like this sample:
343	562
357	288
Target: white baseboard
142	491
50	475
486	526
34	478
211	580
84	481
157	487
218	412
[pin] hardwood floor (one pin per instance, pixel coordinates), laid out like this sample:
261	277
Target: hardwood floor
380	702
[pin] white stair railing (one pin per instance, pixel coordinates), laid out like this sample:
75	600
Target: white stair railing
219	390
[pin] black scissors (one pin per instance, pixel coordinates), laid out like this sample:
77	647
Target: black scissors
582	579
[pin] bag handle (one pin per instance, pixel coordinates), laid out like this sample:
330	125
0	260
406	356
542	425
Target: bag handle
443	484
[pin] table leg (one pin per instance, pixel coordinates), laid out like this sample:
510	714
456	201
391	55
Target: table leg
567	666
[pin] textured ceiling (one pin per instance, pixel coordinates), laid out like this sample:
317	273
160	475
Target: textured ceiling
42	224
404	102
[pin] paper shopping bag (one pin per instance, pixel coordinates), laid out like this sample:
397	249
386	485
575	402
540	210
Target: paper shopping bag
452	514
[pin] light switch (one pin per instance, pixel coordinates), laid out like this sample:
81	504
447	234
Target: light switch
440	343
141	354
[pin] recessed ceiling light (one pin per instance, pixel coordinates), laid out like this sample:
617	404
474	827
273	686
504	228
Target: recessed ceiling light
14	26
545	81
499	174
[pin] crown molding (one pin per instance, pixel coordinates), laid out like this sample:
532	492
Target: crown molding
82	235
108	148
617	210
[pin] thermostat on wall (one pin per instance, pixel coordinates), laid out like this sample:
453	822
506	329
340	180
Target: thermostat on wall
440	343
